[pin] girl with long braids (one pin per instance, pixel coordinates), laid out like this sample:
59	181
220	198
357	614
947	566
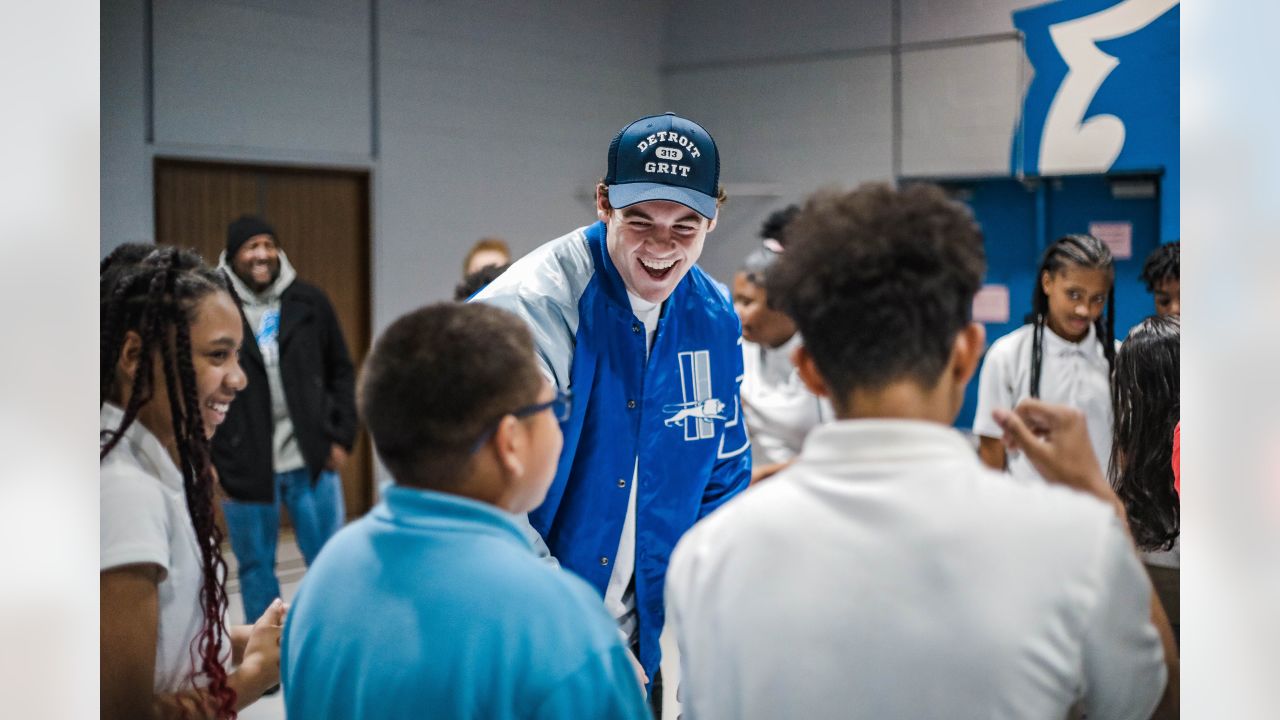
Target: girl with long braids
1145	401
170	339
1062	355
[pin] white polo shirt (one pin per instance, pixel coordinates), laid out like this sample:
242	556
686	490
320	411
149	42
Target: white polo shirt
145	521
779	409
1073	374
888	574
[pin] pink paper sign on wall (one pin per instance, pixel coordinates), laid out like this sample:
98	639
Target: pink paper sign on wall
991	304
1117	235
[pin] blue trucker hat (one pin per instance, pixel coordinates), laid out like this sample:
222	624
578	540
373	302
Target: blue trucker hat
664	157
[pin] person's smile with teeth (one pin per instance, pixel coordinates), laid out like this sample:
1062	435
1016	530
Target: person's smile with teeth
653	244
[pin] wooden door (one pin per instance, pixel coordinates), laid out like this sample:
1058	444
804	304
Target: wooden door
321	218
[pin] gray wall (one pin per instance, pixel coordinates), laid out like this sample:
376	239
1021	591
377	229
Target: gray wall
495	123
492	119
472	121
816	93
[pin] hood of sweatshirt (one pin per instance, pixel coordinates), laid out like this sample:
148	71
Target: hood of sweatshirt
267	297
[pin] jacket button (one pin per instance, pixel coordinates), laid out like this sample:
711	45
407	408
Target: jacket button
622	482
604	561
631	404
635	327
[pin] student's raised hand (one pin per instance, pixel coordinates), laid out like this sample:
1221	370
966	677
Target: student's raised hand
1055	438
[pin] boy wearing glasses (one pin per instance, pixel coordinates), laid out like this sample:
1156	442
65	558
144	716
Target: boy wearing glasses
651	347
435	602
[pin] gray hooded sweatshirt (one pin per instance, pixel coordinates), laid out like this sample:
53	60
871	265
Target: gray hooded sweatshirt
263	314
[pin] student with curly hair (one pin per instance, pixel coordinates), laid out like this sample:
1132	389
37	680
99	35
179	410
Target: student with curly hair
1062	355
1161	274
887	573
171	337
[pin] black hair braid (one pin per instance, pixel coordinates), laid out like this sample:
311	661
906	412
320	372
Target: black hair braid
111	339
151	296
125	255
1037	353
197	480
150	328
1107	330
1083	251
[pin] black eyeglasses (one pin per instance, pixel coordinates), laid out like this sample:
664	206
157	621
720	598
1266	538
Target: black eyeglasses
561	404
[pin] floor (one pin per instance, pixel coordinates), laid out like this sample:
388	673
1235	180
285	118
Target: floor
289	569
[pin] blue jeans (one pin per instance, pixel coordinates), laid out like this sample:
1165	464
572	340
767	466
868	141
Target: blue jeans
317	513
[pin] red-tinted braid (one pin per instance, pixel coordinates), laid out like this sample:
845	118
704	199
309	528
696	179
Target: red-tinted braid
175	281
193	448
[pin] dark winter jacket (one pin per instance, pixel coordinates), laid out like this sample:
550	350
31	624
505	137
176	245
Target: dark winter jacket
319	388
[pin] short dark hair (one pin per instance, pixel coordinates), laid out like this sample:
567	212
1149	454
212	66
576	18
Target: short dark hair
879	281
477	281
435	380
1162	265
775	226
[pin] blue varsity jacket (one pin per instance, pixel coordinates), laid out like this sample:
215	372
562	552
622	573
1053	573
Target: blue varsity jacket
679	412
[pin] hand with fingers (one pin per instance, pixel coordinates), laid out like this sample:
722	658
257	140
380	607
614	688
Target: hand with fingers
1055	438
260	670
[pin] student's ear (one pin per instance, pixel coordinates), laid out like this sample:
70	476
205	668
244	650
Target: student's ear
130	355
508	442
808	371
603	208
966	352
712	225
1045	280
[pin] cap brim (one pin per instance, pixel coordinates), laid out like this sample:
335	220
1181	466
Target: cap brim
628	194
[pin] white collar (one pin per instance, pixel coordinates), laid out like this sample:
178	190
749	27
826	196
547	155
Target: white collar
777	361
143	445
1059	345
884	440
640	306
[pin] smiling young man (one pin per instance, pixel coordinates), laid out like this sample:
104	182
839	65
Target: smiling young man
649	344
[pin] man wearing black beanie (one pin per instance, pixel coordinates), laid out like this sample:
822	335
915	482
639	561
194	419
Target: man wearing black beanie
287	435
